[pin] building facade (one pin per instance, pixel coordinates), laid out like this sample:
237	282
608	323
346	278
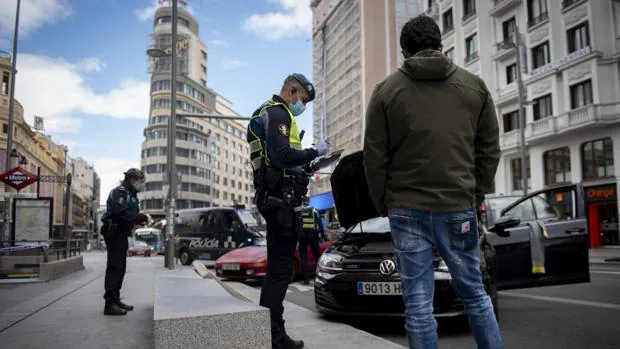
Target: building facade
570	58
355	46
211	154
36	151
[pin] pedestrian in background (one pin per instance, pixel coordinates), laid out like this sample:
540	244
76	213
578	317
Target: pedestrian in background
122	213
431	150
311	234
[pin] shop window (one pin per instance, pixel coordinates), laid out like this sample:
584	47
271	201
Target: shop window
517	179
597	158
557	166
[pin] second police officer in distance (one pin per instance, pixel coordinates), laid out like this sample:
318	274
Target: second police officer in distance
281	184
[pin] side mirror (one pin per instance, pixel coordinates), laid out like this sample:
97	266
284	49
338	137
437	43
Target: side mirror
504	223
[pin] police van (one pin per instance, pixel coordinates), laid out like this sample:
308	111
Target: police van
210	232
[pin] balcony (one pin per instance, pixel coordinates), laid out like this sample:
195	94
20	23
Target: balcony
569	3
502	6
537	20
504	49
588	116
562	62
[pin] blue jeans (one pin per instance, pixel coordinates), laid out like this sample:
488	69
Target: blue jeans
456	236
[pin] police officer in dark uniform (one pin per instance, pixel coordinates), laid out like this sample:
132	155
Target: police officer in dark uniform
281	184
311	233
122	213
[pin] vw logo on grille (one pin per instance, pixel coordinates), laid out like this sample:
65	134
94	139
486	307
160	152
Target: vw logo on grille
387	267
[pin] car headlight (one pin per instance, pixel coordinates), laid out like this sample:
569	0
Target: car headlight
330	262
442	266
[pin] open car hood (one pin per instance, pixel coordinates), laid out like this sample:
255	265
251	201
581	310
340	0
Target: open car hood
350	191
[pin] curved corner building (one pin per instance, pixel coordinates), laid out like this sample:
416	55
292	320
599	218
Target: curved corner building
208	176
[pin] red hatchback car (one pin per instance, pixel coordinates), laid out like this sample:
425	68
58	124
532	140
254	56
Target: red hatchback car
138	248
251	262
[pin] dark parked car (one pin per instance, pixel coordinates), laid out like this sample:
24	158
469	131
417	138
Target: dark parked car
358	275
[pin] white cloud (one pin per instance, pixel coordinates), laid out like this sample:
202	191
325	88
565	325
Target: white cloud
232	64
147	13
295	19
110	170
32	15
220	42
55	89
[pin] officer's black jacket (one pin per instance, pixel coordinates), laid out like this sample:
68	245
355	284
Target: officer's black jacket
123	208
278	145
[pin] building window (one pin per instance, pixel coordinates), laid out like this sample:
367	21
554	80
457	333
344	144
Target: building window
597	158
448	21
471	45
581	94
543	107
578	37
511	73
509	28
204	55
450	53
5	83
557	166
469	8
5	128
204	69
536	12
515	166
540	55
511	121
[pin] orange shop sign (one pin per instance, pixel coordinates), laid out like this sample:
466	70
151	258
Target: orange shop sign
601	193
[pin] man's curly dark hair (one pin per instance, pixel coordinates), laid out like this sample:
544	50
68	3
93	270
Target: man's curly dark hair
420	33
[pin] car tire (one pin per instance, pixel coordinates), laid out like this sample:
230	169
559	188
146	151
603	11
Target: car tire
185	257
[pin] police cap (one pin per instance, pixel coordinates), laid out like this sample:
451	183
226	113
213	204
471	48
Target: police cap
307	85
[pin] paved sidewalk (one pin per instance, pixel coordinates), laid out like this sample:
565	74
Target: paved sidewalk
605	255
68	312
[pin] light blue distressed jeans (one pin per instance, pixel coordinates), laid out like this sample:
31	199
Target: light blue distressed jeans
456	236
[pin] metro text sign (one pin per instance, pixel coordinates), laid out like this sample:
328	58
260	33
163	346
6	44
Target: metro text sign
18	178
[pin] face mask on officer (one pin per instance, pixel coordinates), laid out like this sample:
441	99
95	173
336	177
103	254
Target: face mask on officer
298	107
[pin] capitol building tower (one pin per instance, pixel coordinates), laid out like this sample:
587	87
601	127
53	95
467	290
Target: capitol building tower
207	174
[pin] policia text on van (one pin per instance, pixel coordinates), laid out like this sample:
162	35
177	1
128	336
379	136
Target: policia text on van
281	183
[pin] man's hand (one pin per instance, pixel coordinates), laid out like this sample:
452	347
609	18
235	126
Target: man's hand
322	147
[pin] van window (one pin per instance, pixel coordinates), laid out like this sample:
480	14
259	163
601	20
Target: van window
207	220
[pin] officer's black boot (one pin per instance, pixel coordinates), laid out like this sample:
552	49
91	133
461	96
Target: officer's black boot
127	307
288	342
112	308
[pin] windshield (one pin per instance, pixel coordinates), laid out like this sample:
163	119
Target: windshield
497	204
374	225
248	219
139	244
148	237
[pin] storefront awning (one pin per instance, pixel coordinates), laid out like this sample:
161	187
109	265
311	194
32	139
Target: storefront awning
322	202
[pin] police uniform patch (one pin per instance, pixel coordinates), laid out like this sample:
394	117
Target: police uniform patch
283	129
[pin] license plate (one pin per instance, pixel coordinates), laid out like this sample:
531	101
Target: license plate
206	256
378	288
230	266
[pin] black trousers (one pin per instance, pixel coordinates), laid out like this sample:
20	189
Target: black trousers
117	246
313	243
282	235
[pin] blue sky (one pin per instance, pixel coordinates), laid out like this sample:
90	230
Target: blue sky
82	66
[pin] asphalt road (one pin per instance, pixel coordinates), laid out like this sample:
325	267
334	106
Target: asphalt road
563	317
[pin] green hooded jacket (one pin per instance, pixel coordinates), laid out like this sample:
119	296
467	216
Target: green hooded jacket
432	138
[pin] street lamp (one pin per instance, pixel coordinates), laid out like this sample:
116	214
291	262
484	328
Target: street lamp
172	194
23	161
516	45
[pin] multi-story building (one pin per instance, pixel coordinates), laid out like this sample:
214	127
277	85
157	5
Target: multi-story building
35	151
211	154
571	87
355	46
83	196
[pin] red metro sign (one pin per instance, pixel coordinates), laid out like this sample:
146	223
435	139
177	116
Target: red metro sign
18	178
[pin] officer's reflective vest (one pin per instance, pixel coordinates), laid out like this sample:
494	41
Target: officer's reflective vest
258	128
310	225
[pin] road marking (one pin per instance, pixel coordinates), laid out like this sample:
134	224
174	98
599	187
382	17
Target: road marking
605	272
563	300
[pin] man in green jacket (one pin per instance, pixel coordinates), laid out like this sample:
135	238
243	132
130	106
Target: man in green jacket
431	151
